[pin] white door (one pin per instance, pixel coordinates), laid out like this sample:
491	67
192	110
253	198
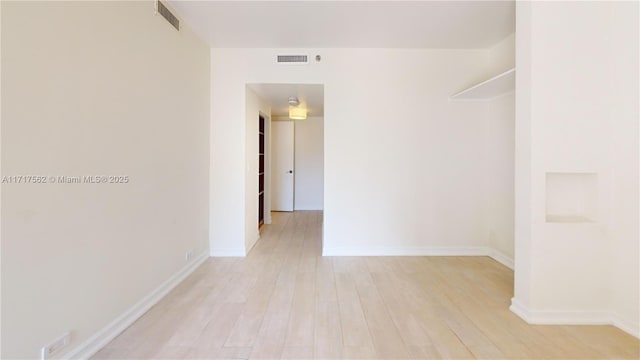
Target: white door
282	147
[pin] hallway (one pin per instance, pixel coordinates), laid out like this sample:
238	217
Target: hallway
284	300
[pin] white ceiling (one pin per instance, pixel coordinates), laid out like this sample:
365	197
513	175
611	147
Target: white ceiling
349	24
343	24
310	96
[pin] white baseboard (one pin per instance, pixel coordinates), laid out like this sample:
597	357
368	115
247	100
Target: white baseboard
227	252
518	309
96	342
405	251
421	251
573	318
625	325
560	317
501	257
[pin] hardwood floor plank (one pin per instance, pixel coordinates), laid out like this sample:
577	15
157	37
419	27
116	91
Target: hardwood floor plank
408	325
247	326
223	318
325	280
226	353
301	320
355	332
270	341
285	301
386	339
297	352
607	340
328	331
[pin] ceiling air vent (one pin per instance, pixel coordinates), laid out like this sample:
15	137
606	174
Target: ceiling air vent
164	11
293	59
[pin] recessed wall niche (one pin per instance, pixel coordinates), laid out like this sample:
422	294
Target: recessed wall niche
571	197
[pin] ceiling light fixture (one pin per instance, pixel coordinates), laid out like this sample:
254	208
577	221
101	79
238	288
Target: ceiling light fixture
296	112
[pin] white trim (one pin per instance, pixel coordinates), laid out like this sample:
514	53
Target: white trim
496	255
227	252
253	244
307	208
626	325
519	309
560	317
96	342
555	317
405	251
502	258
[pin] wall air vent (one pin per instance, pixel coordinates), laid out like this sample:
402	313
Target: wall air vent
164	11
293	59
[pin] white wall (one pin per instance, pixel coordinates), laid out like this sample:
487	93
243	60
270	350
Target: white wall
499	137
228	163
577	112
625	165
523	162
502	56
255	106
309	164
499	176
97	88
1	174
402	165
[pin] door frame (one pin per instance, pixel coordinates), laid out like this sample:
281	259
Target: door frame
267	167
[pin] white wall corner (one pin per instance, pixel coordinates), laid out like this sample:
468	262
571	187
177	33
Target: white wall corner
519	309
253	243
502	258
555	317
227	252
630	327
100	339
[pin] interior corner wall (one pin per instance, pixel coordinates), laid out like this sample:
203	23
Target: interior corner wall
255	106
1	175
499	149
502	56
522	163
577	113
625	164
84	95
309	164
401	161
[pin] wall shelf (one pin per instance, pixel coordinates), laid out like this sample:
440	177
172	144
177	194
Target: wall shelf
489	89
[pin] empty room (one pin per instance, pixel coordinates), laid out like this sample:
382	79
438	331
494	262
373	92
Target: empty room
320	179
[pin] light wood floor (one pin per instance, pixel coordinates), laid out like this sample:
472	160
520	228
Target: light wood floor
285	301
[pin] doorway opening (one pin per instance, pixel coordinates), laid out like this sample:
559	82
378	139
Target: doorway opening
290	166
